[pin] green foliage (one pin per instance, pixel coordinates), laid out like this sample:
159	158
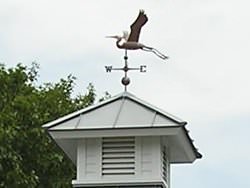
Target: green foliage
105	97
28	157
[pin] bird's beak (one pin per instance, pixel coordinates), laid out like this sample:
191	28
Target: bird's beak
111	37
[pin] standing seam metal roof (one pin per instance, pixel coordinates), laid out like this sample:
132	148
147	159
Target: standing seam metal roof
123	96
123	114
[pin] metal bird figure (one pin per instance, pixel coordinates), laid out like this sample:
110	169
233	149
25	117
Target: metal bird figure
131	41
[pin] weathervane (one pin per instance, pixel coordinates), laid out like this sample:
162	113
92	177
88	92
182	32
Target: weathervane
131	42
125	80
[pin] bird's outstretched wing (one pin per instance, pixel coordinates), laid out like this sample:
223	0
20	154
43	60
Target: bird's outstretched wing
137	25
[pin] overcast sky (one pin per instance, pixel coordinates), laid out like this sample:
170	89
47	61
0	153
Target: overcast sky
205	82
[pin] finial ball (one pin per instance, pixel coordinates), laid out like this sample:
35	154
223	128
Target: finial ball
125	80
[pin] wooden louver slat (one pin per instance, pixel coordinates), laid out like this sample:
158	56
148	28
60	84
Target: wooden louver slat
164	164
118	156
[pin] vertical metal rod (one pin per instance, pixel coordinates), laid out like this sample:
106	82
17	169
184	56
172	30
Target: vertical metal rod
126	66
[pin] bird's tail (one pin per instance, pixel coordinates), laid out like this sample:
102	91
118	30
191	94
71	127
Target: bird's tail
155	51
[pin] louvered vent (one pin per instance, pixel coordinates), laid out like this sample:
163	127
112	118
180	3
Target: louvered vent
164	164
118	156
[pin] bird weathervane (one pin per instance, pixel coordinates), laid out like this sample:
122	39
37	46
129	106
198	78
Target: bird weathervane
131	42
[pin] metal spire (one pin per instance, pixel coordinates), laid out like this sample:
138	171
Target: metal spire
125	80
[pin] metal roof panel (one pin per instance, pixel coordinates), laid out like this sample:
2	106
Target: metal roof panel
119	111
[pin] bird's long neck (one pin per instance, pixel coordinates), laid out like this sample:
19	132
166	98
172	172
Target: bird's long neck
119	43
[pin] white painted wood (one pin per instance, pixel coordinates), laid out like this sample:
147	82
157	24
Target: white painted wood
88	165
181	149
166	145
150	159
163	131
69	147
81	159
138	156
143	165
124	182
169	168
119	139
119	160
183	140
92	153
119	165
157	155
119	150
123	141
115	150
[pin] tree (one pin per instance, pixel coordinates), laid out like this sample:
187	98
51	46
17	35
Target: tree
28	157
